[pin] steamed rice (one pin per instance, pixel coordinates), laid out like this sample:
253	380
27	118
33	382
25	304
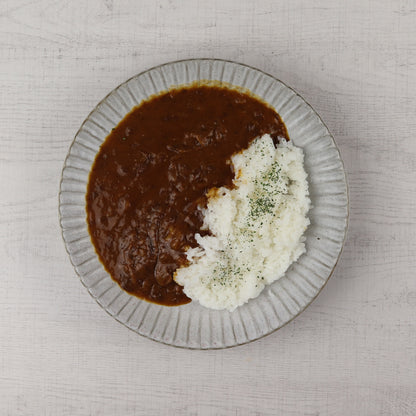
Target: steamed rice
256	228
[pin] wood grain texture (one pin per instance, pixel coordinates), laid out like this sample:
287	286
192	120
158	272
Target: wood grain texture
352	352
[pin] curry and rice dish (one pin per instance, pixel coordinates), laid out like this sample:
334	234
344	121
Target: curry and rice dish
198	194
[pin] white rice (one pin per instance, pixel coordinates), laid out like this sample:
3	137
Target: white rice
256	228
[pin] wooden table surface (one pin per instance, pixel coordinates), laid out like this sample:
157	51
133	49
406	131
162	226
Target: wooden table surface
352	352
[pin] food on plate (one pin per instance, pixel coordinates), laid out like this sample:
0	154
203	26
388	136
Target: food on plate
157	175
256	227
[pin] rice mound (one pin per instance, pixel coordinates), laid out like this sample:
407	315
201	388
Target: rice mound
256	228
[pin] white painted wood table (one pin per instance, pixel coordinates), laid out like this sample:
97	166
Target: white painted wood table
352	352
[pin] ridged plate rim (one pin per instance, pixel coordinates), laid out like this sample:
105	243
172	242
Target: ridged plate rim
69	245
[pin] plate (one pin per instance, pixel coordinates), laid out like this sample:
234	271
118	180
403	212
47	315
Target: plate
191	325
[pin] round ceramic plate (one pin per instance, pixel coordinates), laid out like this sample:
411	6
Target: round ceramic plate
192	325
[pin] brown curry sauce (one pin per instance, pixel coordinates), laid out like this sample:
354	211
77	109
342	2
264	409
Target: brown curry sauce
154	170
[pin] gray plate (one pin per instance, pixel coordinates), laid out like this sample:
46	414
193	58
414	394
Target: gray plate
191	325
